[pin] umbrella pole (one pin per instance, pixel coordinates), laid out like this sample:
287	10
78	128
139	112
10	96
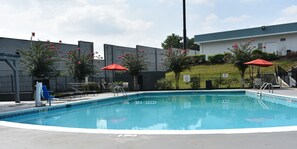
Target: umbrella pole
258	72
252	75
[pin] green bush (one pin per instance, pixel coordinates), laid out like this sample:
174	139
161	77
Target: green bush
164	84
227	57
217	81
195	83
272	57
229	81
90	87
216	59
198	59
263	55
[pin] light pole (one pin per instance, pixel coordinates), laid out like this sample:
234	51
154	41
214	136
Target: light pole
32	35
184	22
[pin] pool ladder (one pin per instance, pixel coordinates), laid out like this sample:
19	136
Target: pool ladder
260	101
119	89
259	94
265	85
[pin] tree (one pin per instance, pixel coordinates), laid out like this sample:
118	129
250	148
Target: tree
135	63
175	41
192	45
177	61
79	65
40	60
240	55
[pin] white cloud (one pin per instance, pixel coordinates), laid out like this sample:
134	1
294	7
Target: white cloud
236	19
250	1
291	10
209	23
190	2
101	21
288	14
203	2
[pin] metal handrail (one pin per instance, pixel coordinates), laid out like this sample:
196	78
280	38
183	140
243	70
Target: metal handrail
264	86
118	89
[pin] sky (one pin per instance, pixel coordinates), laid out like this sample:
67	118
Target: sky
135	22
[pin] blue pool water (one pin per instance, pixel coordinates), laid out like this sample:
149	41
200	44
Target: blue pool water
169	111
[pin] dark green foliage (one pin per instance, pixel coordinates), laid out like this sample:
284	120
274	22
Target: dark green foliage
135	63
192	45
79	65
198	59
175	41
240	54
228	81
218	81
164	84
40	60
177	61
195	83
227	57
263	55
272	57
216	59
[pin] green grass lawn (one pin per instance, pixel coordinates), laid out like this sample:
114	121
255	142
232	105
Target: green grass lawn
210	71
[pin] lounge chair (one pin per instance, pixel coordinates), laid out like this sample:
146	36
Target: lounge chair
46	95
257	83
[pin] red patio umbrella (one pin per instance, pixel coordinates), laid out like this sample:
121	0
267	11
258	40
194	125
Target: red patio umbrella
114	67
259	62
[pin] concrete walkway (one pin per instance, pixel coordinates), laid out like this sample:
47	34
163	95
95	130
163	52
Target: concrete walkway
17	138
14	138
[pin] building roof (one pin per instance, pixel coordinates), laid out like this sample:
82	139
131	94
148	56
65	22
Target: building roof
247	33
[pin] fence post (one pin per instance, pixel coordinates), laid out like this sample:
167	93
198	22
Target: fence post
11	81
66	84
56	83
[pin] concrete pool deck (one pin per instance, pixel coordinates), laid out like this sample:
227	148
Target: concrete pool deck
18	138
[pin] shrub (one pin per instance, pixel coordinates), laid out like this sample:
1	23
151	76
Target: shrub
264	55
164	84
195	83
198	59
272	56
227	57
91	87
292	55
229	81
217	81
216	59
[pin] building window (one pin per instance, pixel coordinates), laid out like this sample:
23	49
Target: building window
260	46
283	39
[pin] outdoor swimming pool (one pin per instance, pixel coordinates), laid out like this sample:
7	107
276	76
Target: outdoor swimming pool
187	110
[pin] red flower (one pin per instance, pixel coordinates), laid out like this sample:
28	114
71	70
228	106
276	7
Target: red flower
78	49
78	63
235	46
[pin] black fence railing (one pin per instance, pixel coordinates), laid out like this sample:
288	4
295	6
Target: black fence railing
283	74
56	84
294	75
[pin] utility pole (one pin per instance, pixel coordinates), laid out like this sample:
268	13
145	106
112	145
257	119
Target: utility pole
184	22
